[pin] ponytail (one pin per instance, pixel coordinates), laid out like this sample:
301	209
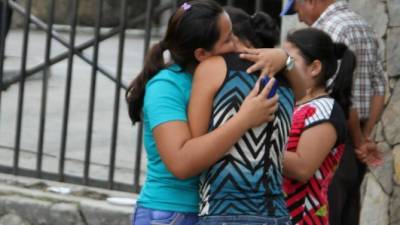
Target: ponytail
267	31
342	86
154	62
189	28
260	29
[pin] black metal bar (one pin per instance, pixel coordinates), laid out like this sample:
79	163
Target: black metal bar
123	19
92	97
22	88
65	54
3	30
258	6
45	89
62	41
68	90
84	45
139	142
77	50
57	59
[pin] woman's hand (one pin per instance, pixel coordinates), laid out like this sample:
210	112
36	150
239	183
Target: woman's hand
268	60
257	109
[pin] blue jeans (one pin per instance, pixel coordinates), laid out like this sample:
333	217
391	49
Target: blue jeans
243	220
145	216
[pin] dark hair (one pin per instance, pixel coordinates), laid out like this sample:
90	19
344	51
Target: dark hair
315	44
260	29
188	29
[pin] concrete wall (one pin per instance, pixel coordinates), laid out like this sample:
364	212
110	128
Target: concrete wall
381	186
28	201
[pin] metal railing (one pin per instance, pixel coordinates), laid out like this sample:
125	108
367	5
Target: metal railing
75	51
72	51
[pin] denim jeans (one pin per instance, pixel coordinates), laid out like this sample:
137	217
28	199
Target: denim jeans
243	220
145	216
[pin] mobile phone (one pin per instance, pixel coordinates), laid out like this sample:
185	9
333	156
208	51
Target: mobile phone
264	82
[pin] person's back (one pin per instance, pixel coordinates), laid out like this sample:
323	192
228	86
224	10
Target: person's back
245	186
248	180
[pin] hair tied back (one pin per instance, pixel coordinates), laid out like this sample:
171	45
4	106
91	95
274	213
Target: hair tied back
339	49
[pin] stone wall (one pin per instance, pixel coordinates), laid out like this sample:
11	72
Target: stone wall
381	186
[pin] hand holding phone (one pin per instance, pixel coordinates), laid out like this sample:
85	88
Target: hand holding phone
264	82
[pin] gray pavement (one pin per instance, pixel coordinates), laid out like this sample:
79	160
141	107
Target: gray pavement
125	157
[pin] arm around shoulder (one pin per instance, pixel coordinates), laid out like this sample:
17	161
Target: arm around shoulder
185	155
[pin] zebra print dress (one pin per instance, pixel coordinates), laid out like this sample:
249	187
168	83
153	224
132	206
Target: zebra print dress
248	179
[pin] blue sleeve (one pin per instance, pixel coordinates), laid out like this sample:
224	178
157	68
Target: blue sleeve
164	101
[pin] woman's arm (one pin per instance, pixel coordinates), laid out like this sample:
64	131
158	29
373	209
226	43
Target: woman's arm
185	156
366	150
376	109
270	61
314	145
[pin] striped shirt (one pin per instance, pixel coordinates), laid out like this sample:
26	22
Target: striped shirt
345	26
248	179
308	202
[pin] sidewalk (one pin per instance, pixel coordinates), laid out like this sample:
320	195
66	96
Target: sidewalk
29	201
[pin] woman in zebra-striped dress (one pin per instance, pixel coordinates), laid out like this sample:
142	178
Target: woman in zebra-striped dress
245	186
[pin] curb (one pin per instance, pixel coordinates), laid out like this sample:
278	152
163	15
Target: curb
27	202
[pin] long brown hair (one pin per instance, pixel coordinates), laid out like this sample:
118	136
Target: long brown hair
190	27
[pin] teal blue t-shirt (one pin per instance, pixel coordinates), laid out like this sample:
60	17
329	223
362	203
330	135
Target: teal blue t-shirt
166	99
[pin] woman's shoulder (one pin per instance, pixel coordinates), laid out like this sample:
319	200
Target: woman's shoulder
328	105
323	101
322	109
210	68
316	109
171	74
324	106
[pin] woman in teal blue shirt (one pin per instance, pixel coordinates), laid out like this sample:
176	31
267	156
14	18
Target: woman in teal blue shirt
159	97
